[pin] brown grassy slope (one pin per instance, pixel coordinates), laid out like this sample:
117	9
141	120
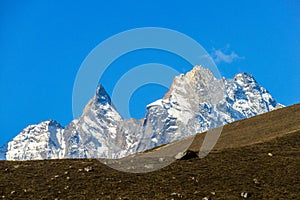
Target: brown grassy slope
257	129
226	172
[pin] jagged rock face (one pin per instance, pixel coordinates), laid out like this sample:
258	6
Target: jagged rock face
40	141
247	97
129	137
198	102
187	107
94	131
195	103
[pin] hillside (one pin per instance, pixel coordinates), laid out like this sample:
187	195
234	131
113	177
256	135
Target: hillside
259	156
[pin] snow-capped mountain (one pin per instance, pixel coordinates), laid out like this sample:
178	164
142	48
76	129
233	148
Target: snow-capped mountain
94	131
196	102
38	141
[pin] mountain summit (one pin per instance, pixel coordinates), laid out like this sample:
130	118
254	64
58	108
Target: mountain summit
196	102
102	96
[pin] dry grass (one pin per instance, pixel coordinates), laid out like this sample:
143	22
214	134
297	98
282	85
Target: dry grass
240	157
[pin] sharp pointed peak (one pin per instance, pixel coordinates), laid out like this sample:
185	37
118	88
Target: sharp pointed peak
101	95
100	88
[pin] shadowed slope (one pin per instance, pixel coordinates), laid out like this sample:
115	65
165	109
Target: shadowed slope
258	156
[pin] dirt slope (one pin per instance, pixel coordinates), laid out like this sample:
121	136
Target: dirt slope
257	129
259	156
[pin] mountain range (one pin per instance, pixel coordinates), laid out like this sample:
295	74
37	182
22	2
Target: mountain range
196	102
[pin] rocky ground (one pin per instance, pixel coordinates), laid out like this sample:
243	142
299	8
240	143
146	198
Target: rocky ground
263	163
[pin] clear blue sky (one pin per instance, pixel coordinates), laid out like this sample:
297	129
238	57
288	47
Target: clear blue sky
43	43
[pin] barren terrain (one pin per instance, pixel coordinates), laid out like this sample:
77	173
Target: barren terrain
258	157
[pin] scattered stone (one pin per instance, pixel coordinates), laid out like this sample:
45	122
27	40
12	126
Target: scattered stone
16	166
256	181
270	154
88	169
70	167
161	159
66	172
149	166
25	190
194	179
176	194
80	170
68	178
245	195
6	169
213	193
196	192
206	198
174	177
67	187
3	197
186	155
124	198
130	167
13	192
56	176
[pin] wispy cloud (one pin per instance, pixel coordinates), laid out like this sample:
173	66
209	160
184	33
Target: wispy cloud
225	55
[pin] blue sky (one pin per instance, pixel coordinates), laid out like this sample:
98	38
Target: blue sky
43	43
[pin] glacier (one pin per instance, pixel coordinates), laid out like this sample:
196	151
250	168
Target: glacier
196	102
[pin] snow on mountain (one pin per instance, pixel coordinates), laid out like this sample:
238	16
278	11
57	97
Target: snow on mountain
189	95
39	141
96	128
196	102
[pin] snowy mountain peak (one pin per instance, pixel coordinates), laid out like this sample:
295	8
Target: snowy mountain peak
38	141
199	72
102	96
244	79
196	102
44	125
196	86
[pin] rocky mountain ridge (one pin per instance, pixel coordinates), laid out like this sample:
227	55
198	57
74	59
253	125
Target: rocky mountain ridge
196	102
